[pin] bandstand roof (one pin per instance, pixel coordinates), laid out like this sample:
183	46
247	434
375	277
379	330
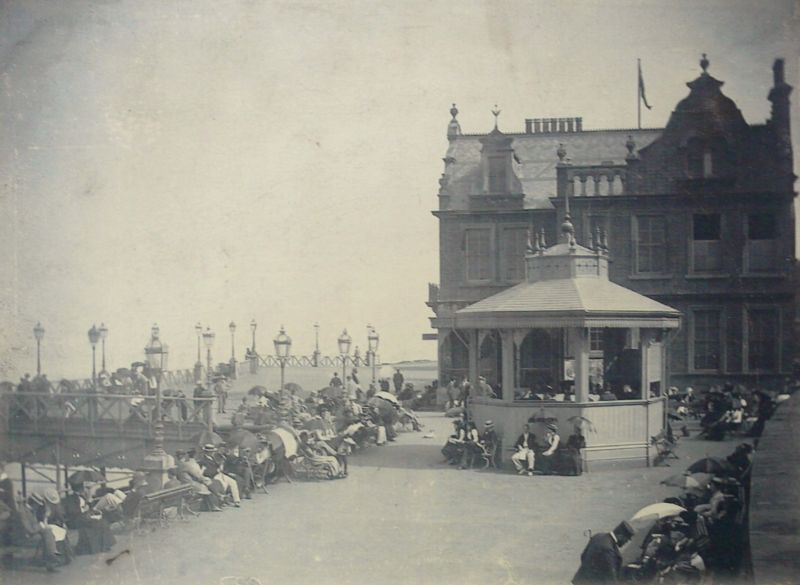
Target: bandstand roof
568	302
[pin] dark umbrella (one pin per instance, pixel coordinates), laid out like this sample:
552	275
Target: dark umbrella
384	407
242	438
86	476
207	437
715	465
257	391
296	389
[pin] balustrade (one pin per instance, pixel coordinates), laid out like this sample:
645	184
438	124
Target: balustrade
602	180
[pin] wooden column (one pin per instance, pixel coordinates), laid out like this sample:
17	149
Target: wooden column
472	338
507	345
579	343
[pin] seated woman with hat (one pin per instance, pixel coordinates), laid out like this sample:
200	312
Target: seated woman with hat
545	460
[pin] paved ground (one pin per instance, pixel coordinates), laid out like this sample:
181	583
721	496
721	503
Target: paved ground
401	517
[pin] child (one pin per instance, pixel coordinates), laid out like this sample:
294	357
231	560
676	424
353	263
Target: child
345	448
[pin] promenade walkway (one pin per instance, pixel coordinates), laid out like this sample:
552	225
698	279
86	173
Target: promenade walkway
401	517
775	499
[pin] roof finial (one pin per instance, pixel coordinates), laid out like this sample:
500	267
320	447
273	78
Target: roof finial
453	128
630	144
704	63
454	112
531	245
496	114
568	229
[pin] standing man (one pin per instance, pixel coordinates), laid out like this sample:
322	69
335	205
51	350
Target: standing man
601	560
452	394
336	381
524	451
398	380
222	394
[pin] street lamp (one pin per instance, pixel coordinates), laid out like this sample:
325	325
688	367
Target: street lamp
198	366
38	333
103	334
253	326
155	354
373	339
94	337
232	328
316	344
283	345
344	342
208	339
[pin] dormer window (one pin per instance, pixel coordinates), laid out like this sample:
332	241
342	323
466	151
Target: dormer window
707	159
497	179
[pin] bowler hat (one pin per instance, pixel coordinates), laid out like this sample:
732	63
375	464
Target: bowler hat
51	495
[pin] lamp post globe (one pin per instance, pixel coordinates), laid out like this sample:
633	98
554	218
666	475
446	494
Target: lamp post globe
283	346
94	337
38	333
344	342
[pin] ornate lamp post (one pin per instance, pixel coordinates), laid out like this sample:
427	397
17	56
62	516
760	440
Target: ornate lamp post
94	337
357	357
316	344
283	345
103	334
158	461
208	339
198	366
253	356
344	342
232	329
373	339
38	333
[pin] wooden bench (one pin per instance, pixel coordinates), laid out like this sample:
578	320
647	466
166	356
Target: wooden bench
152	505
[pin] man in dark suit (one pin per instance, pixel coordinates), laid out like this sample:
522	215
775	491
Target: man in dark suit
601	560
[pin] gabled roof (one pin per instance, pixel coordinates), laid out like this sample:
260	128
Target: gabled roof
537	158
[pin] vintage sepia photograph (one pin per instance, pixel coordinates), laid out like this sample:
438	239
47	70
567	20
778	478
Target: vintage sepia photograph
358	292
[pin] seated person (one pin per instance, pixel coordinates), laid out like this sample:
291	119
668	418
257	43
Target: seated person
453	448
317	455
94	533
32	521
190	472
524	451
109	503
471	446
546	459
489	440
172	479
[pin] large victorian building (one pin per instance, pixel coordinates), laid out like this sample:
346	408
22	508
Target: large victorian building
697	216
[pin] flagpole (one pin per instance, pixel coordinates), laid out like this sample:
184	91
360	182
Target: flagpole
639	93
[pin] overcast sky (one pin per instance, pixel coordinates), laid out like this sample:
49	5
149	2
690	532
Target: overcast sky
233	159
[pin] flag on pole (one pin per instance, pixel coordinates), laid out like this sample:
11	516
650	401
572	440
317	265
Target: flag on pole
642	95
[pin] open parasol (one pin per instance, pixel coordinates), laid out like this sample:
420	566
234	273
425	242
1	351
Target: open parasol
582	422
257	391
242	438
714	465
207	437
296	389
86	476
697	482
387	396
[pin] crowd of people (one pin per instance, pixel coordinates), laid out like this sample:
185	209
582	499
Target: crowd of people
325	427
547	455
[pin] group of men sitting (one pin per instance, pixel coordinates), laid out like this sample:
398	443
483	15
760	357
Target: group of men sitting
544	456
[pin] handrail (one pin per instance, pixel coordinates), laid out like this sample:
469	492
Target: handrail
39	411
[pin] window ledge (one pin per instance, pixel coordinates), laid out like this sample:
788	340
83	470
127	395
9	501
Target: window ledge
764	275
653	276
708	276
